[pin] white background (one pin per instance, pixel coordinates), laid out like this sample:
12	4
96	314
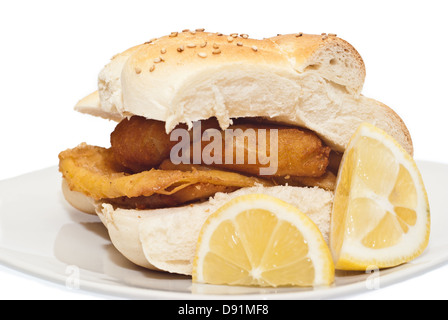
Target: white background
51	53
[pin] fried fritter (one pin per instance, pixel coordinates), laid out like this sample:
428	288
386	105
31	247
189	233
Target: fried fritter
327	181
94	172
298	152
140	144
247	147
194	193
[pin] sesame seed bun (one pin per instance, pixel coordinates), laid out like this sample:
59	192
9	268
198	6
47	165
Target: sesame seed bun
297	79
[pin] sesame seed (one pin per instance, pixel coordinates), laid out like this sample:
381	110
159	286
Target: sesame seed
279	34
157	60
173	34
332	34
219	34
180	49
200	30
186	30
244	36
202	54
216	51
255	48
191	45
215	46
203	45
324	37
229	38
323	34
240	44
153	67
299	34
138	70
163	51
161	59
151	41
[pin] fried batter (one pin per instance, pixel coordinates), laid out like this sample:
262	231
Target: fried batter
299	152
327	181
136	172
94	172
140	144
194	193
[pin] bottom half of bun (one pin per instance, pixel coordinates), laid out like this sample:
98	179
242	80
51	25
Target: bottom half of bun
165	239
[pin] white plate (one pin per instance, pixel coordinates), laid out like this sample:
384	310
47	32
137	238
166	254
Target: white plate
43	236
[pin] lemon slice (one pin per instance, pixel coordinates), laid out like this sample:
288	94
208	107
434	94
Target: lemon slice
380	213
259	240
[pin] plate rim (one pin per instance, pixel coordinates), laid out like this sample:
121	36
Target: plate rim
132	292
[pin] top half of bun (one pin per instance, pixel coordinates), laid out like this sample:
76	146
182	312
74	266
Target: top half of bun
313	81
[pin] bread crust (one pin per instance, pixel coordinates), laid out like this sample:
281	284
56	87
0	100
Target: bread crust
161	85
170	61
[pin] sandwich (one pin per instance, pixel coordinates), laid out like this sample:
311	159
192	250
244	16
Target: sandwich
205	117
